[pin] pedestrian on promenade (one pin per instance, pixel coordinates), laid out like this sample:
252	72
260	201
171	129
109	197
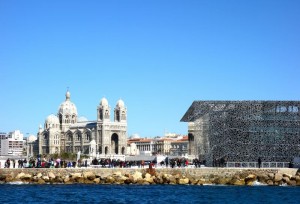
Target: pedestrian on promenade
259	162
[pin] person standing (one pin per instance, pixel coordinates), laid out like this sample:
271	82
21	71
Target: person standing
259	162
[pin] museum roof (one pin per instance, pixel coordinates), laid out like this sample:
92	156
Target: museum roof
200	108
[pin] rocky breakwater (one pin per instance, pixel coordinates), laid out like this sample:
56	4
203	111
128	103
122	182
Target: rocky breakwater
152	176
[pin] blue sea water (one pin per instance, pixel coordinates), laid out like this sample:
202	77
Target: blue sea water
147	194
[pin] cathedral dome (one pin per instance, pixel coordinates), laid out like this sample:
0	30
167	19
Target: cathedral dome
51	121
67	107
103	102
120	103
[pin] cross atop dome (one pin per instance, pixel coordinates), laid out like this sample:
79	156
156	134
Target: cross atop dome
68	95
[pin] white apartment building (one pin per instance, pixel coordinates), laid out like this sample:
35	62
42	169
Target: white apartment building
12	144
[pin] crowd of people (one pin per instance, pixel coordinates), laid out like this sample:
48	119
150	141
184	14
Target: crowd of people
43	162
99	163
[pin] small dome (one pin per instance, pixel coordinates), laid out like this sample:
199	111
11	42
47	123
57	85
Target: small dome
82	119
103	102
135	136
120	103
52	119
31	138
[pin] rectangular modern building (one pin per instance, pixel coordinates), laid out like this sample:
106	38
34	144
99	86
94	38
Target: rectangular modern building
12	144
243	131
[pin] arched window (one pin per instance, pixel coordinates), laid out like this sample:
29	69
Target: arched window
106	114
70	137
60	118
101	114
87	137
118	115
123	117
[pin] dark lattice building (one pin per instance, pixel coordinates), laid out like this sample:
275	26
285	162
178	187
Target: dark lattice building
243	131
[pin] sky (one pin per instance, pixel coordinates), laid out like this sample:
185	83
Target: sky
157	56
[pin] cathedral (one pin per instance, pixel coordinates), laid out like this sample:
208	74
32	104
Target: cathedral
66	132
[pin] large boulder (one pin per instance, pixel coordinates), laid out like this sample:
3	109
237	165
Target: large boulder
23	176
292	183
39	175
172	179
220	180
238	182
286	179
270	182
20	175
271	175
40	181
109	180
184	181
45	178
249	180
262	178
51	175
201	181
89	175
148	178
287	175
278	177
76	175
97	180
137	176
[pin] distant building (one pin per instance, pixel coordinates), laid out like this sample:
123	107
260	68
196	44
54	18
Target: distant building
160	145
243	131
65	132
179	147
12	144
31	145
3	136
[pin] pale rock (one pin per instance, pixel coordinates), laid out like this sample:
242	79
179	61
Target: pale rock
97	180
271	175
184	181
20	175
76	175
89	175
286	179
149	180
41	181
277	177
137	176
147	175
45	178
51	175
287	175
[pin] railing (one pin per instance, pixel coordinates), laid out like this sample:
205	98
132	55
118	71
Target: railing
255	164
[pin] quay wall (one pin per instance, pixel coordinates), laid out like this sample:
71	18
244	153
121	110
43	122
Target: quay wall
198	172
195	176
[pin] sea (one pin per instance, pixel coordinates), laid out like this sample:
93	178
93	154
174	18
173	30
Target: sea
78	193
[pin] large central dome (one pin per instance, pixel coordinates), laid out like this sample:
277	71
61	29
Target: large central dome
67	107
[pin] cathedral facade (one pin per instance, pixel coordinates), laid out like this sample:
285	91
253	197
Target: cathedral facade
66	132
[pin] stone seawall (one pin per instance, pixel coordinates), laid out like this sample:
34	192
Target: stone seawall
184	176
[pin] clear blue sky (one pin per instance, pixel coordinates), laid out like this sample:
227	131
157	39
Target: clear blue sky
158	56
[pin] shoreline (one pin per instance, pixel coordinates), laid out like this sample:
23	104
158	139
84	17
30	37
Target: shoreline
153	176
